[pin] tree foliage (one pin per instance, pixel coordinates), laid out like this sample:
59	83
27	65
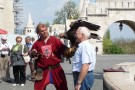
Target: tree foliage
109	47
128	45
106	41
113	49
69	11
47	23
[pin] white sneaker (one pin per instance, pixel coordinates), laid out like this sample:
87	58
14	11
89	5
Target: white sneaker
14	84
22	85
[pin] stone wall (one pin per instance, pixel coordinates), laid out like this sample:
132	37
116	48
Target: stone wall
120	80
105	13
1	15
113	0
102	7
8	16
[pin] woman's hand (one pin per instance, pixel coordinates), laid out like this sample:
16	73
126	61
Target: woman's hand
24	54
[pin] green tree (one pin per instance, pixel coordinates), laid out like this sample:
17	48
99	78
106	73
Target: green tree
106	42
47	23
107	35
114	49
69	11
109	47
128	45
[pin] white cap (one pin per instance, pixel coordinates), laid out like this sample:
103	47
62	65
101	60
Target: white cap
4	37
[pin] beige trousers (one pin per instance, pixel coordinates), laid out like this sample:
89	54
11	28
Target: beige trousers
4	68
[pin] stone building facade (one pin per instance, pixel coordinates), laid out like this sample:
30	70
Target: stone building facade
7	15
107	12
29	29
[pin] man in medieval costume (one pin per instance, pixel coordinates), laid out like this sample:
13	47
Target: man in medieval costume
49	50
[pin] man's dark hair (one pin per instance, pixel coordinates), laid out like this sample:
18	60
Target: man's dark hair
28	37
39	26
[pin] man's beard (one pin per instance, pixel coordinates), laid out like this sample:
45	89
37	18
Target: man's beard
45	35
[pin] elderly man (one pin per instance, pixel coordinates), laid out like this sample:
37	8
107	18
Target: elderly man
31	63
5	48
83	61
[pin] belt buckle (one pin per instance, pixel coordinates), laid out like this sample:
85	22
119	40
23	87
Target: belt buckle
49	68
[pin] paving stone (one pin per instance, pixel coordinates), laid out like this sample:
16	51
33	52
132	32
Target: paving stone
103	61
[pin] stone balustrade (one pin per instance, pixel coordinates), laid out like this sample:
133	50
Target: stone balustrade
120	80
1	7
103	7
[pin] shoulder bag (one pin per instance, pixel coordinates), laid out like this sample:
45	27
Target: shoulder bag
25	57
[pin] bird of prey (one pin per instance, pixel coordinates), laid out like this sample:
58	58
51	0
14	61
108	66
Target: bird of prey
70	35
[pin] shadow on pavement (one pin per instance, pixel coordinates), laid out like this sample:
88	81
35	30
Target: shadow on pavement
68	74
98	75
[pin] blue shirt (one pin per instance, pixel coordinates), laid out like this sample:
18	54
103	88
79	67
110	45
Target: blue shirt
29	45
84	54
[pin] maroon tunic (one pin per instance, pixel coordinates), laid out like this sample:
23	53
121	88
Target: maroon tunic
52	56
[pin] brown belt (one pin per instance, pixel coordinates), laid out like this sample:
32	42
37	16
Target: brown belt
51	67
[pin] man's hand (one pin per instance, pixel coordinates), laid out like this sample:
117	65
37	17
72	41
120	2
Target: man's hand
33	52
77	87
62	35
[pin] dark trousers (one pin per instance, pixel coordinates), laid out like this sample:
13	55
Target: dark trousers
31	64
19	74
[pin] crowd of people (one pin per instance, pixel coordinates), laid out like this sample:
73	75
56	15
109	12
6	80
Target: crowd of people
45	58
11	55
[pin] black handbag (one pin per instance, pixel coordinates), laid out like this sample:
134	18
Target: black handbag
2	55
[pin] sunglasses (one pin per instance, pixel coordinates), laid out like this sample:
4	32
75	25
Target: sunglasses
18	41
4	39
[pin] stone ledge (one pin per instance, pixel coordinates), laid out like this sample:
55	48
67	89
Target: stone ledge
1	7
120	80
128	67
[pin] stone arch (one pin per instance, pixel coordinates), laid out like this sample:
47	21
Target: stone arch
129	23
105	13
127	19
115	19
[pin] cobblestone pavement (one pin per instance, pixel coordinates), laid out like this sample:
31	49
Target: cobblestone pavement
103	61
